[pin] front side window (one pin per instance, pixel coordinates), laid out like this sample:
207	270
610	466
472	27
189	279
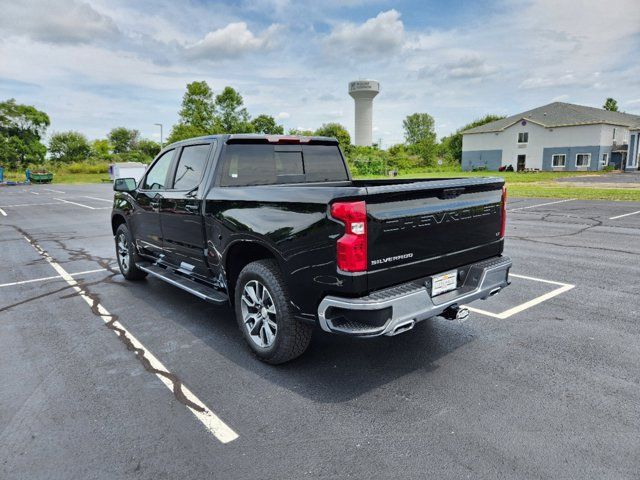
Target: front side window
583	159
191	166
156	177
559	160
523	137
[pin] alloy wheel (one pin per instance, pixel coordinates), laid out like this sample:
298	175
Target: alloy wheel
259	314
122	250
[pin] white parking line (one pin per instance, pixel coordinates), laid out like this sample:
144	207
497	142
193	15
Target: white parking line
75	203
625	215
211	421
4	214
564	287
29	204
52	190
101	199
51	278
542	204
35	193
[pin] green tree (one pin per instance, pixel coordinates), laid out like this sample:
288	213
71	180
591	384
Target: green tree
198	107
21	130
420	136
123	140
611	105
231	115
300	132
335	130
419	128
148	147
266	124
66	147
451	145
100	148
197	114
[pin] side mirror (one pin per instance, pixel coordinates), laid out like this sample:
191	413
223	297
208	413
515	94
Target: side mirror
124	185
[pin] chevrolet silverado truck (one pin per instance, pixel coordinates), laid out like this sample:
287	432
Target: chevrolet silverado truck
276	227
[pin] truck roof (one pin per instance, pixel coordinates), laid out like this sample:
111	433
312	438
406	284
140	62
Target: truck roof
261	138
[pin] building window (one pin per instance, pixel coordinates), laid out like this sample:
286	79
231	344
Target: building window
558	160
523	137
605	159
583	159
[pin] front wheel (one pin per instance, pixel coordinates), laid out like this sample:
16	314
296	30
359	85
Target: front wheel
264	314
126	255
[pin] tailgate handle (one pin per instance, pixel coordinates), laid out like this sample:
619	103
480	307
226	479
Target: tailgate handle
451	193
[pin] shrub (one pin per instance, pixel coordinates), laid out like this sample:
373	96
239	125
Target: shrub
362	165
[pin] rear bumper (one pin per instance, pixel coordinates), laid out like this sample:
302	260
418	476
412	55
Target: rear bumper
396	309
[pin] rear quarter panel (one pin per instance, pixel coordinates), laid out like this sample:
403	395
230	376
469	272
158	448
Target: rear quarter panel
293	223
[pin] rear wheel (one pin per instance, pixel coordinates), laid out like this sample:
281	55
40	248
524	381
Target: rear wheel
264	314
126	255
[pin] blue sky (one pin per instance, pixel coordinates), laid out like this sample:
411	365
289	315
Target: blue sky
96	64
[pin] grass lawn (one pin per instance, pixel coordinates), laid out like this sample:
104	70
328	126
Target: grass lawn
62	177
542	184
565	190
539	184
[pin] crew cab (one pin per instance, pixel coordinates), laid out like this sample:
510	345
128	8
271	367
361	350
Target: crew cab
276	227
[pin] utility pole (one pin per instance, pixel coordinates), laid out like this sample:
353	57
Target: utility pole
161	142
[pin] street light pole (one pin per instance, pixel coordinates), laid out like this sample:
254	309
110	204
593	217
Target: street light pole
161	143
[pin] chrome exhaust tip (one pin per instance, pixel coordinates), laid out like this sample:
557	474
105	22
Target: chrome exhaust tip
454	312
462	313
403	327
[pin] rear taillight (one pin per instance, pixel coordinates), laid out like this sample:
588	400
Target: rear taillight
503	225
351	248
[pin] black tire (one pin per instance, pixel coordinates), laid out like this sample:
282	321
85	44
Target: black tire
292	337
128	268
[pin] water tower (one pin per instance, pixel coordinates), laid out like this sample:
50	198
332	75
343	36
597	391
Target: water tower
363	92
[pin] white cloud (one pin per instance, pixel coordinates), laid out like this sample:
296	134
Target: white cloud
469	66
377	36
232	41
561	80
66	21
93	64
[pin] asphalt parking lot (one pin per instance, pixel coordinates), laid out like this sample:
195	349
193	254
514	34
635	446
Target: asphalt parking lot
541	381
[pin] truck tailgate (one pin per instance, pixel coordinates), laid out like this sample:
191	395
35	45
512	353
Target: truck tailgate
428	227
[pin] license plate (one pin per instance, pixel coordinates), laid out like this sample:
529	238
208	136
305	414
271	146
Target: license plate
444	282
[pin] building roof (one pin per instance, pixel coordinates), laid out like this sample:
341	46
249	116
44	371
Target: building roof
130	164
559	114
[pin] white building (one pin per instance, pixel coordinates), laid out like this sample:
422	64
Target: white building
558	136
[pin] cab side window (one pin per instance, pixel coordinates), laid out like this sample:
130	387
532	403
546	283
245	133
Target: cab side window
191	166
156	177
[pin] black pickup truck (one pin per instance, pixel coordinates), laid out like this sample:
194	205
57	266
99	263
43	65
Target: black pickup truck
276	226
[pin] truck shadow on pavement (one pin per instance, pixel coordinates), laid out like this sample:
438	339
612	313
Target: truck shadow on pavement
334	368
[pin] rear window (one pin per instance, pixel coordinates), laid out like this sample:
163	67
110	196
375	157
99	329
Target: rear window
280	164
